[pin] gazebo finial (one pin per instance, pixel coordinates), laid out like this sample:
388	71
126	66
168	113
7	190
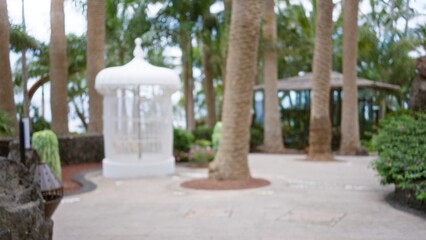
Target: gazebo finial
138	52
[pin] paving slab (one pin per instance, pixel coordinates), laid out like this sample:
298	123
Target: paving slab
305	201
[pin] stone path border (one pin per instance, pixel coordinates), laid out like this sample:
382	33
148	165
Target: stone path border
86	185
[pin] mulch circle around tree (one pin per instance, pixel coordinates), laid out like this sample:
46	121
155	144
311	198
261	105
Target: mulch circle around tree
212	184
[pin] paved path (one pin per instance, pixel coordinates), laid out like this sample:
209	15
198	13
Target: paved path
306	201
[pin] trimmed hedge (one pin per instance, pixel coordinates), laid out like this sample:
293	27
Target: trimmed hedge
401	144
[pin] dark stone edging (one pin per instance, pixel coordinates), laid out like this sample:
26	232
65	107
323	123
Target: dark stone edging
86	185
73	149
392	201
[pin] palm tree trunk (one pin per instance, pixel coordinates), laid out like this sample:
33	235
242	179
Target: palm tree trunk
26	102
320	125
231	160
224	47
208	86
7	102
58	68
187	80
273	140
350	126
24	84
95	60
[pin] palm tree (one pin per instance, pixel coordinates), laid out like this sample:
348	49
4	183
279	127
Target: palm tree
7	102
272	135
320	125
224	39
350	126
231	160
208	84
58	68
187	76
177	20
207	48
95	60
26	102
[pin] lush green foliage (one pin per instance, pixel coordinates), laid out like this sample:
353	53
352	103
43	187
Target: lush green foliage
20	40
401	144
385	41
46	144
203	132
201	155
256	136
182	140
203	143
39	123
5	123
217	130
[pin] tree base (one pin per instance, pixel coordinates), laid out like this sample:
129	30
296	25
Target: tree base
213	184
320	157
359	151
273	150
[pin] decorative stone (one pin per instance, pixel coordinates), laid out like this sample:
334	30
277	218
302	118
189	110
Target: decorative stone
77	149
31	156
21	204
88	148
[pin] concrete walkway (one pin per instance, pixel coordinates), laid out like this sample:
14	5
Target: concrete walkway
306	201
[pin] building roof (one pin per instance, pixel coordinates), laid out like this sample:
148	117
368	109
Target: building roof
336	81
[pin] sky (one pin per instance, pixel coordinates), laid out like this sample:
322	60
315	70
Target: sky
37	15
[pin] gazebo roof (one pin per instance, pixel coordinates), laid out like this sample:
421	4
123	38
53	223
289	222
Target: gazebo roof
135	73
336	82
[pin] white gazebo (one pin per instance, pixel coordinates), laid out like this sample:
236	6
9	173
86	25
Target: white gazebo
137	118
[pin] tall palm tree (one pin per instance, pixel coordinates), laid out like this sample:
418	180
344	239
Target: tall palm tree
208	65
182	13
7	102
231	160
26	102
350	127
320	125
58	68
208	85
95	59
188	79
224	40
273	141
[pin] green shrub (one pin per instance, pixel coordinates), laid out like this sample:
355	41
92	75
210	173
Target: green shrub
182	141
201	155
5	125
256	136
217	130
38	122
401	144
203	143
46	145
367	143
203	132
